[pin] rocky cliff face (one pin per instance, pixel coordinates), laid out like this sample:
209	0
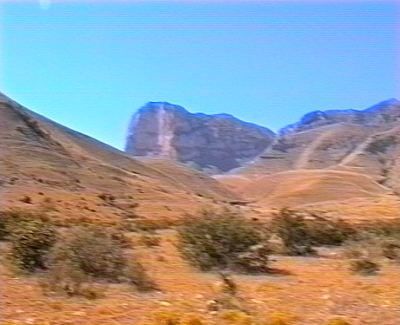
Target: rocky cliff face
216	143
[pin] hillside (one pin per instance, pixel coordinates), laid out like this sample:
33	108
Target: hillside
45	161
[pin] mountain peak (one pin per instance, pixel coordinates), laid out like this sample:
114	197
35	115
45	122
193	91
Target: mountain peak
387	111
214	143
154	106
384	105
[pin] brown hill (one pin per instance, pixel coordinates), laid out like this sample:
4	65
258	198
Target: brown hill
42	161
303	187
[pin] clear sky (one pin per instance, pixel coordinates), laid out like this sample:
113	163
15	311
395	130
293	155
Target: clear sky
90	65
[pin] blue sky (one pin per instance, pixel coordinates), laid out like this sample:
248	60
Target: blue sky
90	66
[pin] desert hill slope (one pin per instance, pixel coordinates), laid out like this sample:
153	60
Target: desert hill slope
45	161
304	187
326	156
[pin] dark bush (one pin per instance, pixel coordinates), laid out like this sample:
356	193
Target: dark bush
391	249
31	236
149	240
109	198
364	266
4	220
292	230
26	199
390	228
214	240
300	231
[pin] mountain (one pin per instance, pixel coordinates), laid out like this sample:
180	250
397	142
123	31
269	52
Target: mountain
328	139
215	143
327	155
42	161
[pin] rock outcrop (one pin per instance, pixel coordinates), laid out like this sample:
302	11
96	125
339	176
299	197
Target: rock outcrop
215	143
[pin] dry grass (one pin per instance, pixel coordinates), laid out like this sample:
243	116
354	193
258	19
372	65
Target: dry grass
300	187
318	290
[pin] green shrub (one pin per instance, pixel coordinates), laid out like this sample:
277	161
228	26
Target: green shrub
31	236
215	240
300	231
364	266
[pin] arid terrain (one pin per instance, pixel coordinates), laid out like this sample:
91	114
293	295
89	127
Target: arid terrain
335	164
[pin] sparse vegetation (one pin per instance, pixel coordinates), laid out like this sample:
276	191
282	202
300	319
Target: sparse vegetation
389	229
4	220
219	240
300	231
149	240
151	225
381	145
26	199
377	240
48	205
31	237
91	250
89	253
338	321
108	198
391	249
134	273
364	266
